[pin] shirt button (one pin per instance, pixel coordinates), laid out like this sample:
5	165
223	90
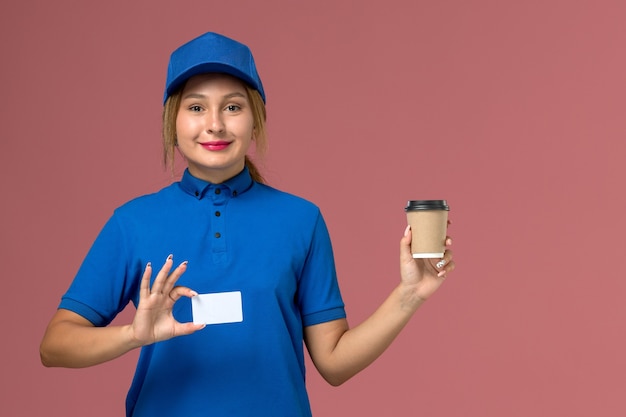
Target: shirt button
218	191
218	235
235	193
197	194
218	214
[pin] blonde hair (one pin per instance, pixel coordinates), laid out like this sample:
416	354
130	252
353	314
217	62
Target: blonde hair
259	115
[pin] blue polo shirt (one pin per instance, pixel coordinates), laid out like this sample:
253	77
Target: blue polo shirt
240	235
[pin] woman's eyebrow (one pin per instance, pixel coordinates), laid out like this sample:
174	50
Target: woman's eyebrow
235	94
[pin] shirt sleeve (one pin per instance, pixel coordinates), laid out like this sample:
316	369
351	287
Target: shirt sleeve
104	283
318	290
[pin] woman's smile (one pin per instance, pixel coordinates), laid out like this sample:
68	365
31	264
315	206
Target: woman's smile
218	145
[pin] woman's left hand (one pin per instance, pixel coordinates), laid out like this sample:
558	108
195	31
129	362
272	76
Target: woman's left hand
424	276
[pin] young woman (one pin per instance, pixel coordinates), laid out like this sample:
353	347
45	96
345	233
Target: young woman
263	255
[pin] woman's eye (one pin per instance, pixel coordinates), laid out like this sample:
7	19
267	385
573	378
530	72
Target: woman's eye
195	108
233	107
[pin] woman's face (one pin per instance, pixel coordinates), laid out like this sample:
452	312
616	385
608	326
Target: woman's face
214	126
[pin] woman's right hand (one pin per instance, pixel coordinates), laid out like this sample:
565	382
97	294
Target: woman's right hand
154	320
73	341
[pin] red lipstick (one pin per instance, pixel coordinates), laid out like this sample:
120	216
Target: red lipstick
217	145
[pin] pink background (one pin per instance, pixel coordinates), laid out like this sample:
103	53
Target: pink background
511	110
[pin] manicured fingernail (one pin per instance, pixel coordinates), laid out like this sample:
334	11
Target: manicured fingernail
406	231
442	273
149	265
193	293
184	263
441	263
169	257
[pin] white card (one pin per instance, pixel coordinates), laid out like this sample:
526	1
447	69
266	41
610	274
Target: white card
217	308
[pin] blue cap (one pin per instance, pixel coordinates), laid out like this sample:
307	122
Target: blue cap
211	52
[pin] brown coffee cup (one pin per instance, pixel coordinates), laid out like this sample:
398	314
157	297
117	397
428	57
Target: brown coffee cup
429	223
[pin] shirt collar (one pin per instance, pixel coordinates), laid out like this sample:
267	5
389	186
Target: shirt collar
234	186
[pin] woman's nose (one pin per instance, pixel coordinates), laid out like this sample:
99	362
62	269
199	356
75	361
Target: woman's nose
215	124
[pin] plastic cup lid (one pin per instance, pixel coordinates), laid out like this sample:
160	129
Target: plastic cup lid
414	205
